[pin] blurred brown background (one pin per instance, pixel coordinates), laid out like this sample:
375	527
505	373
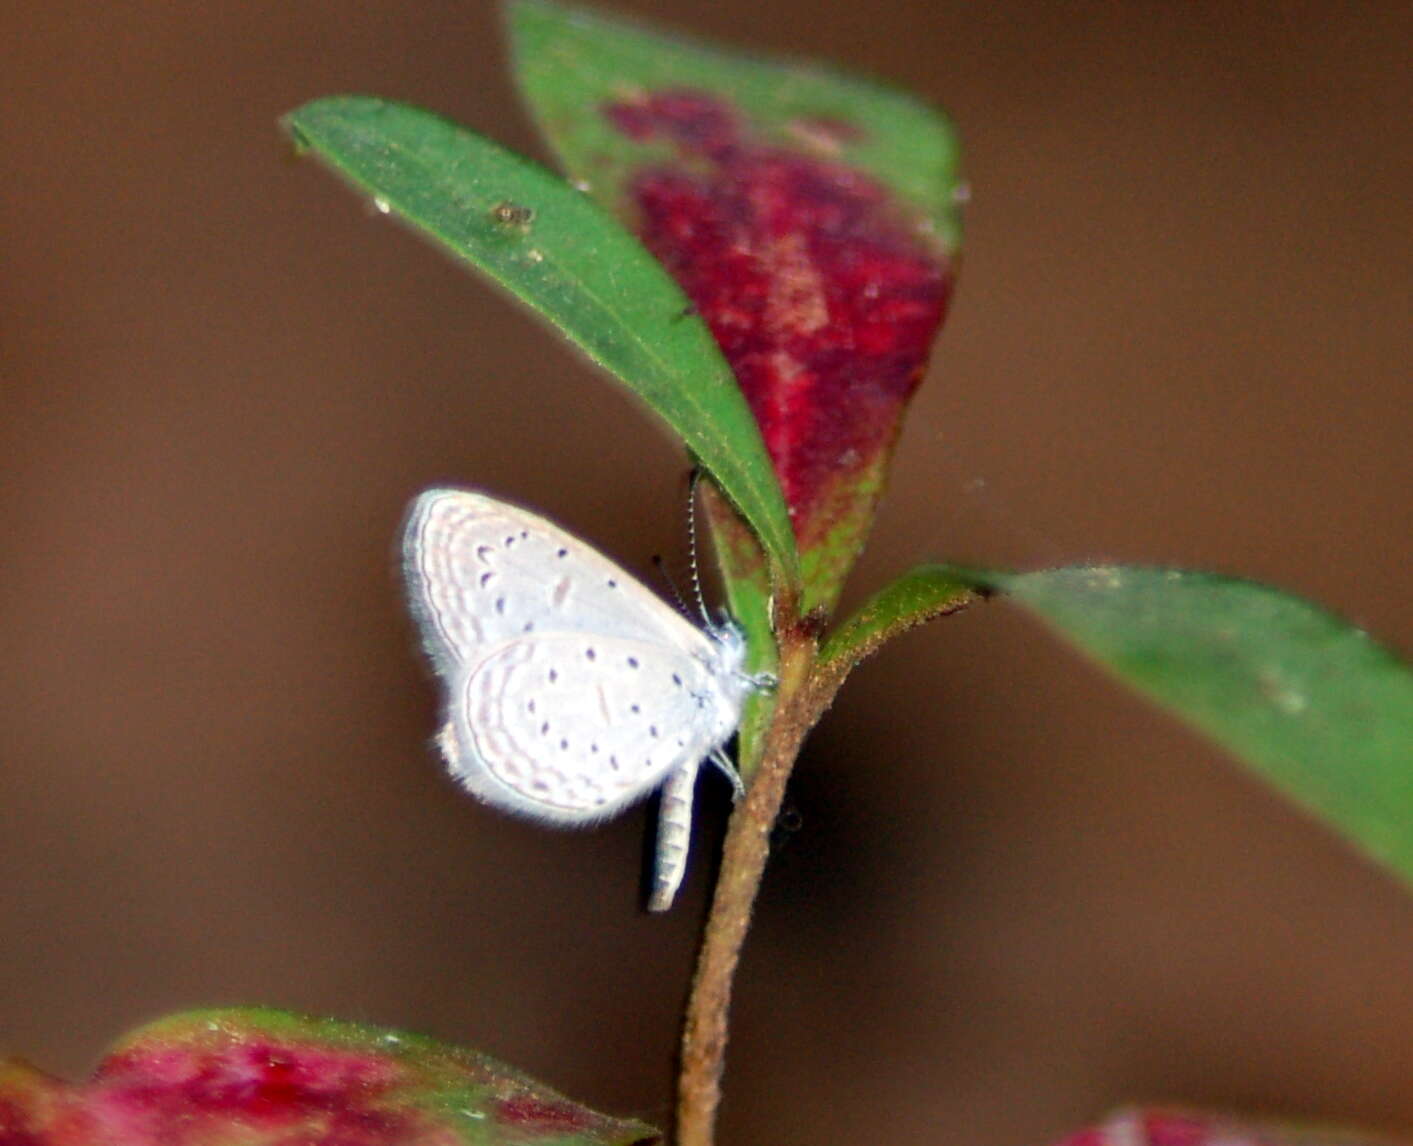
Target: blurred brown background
1016	896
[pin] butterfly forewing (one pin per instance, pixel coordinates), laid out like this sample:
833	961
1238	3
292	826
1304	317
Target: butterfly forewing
481	572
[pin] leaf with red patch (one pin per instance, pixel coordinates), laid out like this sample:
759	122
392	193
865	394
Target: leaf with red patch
253	1077
811	218
1189	1128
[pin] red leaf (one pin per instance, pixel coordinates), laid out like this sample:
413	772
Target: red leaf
821	290
263	1078
1181	1128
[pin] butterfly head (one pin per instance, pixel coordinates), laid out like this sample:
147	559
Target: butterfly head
730	668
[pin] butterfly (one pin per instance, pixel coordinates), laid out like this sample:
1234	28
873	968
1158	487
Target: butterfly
571	689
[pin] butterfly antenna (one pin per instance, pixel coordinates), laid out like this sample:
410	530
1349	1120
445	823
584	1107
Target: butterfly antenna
692	546
661	566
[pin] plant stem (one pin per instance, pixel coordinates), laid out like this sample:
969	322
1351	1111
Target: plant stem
798	705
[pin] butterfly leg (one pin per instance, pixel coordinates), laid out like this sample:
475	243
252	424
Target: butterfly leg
674	833
728	769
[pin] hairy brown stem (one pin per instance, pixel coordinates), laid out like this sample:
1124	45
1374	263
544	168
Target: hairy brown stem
799	702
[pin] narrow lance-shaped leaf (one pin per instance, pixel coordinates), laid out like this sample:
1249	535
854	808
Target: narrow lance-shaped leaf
812	219
250	1077
1308	699
553	248
750	602
918	596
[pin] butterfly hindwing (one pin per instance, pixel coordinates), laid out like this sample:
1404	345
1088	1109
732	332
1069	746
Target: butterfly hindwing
576	727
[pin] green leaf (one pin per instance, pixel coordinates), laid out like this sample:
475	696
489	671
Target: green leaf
917	596
812	218
742	566
552	248
1309	700
255	1077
